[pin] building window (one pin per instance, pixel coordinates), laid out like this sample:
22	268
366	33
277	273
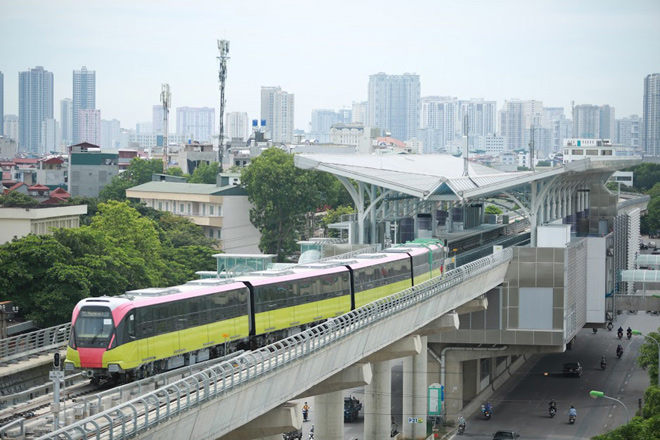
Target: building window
181	210
203	209
160	206
210	209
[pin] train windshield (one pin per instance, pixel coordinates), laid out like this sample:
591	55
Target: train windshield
94	327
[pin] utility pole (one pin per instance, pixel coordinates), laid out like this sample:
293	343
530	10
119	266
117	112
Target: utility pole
166	100
223	48
466	146
56	375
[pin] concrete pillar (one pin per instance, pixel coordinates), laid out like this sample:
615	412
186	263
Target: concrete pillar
453	387
420	387
329	416
407	399
378	403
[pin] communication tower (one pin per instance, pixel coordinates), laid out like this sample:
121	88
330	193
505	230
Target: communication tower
166	101
223	48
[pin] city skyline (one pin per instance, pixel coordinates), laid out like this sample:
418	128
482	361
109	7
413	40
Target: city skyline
555	52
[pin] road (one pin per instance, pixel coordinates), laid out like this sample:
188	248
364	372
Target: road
522	404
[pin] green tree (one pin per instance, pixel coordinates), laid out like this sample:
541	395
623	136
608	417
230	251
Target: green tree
281	194
175	171
16	198
138	172
205	173
646	175
648	356
492	209
333	216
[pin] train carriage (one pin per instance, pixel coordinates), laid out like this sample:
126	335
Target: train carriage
376	276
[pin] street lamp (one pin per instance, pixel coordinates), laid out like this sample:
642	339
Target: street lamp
637	332
597	394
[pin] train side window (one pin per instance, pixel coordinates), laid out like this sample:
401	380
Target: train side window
130	325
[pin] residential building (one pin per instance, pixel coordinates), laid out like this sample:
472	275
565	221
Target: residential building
17	222
393	104
628	132
513	124
238	125
10	124
482	117
222	210
125	157
157	119
2	103
651	115
190	156
359	112
437	122
562	128
90	169
278	110
346	134
52	170
35	104
607	123
586	121
195	123
577	149
50	136
89	126
110	134
66	121
322	120
8	147
84	98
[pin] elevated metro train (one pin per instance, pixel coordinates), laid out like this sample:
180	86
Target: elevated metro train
147	331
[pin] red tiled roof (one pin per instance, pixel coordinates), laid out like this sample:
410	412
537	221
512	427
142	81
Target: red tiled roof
391	141
38	187
60	192
26	161
53	160
54	200
18	185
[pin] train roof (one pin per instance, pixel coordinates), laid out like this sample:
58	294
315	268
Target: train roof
264	277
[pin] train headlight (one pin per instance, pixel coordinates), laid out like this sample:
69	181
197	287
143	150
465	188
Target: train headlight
113	368
68	366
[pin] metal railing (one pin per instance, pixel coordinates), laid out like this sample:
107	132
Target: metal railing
150	409
37	342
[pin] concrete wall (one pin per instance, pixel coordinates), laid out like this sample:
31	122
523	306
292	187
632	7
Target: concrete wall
239	236
596	282
88	180
19	222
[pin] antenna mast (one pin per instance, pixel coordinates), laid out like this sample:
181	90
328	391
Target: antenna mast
223	48
166	100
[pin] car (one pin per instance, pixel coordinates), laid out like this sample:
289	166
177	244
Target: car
572	369
643	246
505	435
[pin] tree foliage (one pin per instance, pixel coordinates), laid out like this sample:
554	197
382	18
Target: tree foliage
333	216
281	194
492	209
16	198
138	172
205	173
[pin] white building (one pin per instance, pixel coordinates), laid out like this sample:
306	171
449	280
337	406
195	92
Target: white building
89	126
238	126
195	123
17	222
66	121
577	149
651	116
10	124
437	126
278	110
50	137
359	112
628	131
393	104
346	134
84	98
110	134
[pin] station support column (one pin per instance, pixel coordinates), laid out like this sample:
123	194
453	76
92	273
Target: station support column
378	402
329	416
415	390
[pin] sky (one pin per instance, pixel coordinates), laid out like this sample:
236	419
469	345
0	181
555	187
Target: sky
556	51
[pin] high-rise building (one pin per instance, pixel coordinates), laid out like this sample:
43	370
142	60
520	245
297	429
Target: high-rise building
35	104
513	124
607	123
393	104
322	120
237	125
66	121
110	134
651	116
195	123
482	117
84	97
89	126
278	110
2	103
437	122
628	132
359	112
50	137
10	125
157	119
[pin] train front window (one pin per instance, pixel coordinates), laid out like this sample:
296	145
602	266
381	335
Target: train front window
94	327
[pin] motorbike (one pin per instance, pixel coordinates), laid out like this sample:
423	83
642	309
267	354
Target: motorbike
305	413
619	334
571	419
603	364
619	353
629	334
461	428
552	411
610	326
311	433
487	414
595	330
